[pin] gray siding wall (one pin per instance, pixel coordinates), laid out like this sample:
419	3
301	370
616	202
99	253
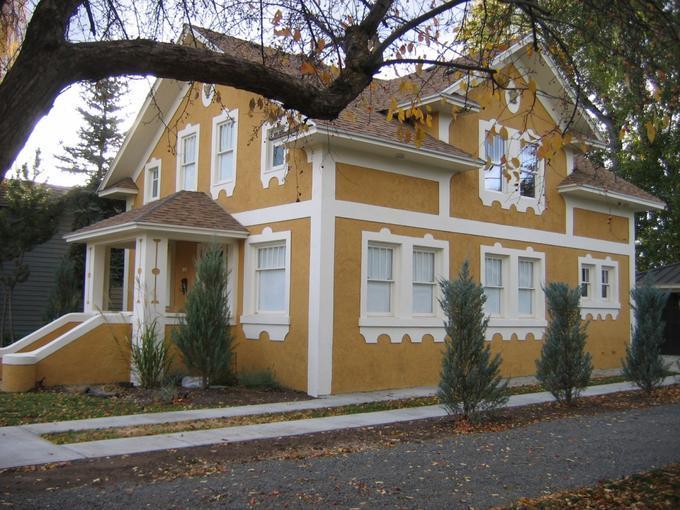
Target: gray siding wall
30	298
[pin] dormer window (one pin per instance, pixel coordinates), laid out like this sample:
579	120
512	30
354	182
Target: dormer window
273	163
493	173
187	158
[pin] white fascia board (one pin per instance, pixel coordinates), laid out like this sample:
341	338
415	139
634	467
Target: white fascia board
447	98
434	158
594	193
135	227
113	192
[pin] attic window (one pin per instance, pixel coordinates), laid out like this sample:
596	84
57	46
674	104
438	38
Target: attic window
207	93
512	97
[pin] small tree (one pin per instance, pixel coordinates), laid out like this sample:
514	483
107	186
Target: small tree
204	336
643	364
65	296
470	381
564	367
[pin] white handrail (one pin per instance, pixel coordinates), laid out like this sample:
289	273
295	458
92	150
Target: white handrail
45	330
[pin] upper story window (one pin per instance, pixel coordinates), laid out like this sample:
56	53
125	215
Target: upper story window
598	279
528	170
495	150
187	158
152	183
274	153
224	150
513	174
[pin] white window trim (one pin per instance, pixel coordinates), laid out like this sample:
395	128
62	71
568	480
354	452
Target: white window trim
153	163
510	195
228	185
187	131
402	321
276	325
266	171
594	305
511	322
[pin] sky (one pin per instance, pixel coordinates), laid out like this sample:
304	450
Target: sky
60	128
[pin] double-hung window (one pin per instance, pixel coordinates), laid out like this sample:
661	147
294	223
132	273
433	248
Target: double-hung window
525	287
224	154
273	154
586	281
187	158
605	285
528	170
152	183
493	285
380	279
494	147
423	281
271	278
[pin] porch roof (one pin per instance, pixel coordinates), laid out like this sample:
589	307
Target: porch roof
190	212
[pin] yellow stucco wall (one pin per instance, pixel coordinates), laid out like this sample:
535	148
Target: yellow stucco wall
386	189
248	192
601	226
358	365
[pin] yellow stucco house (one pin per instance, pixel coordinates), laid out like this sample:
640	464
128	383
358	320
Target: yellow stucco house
335	236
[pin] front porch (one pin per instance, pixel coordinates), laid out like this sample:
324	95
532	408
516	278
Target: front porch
159	243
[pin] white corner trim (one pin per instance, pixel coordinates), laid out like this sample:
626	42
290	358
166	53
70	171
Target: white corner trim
275	324
511	322
510	196
187	131
228	185
267	172
596	307
401	318
153	163
444	126
94	321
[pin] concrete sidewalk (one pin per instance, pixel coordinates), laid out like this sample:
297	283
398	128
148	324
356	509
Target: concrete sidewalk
22	445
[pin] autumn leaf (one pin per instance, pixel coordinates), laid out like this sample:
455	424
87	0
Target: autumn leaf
307	68
651	131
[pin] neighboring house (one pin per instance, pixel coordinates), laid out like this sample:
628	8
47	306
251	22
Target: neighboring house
667	278
30	297
336	236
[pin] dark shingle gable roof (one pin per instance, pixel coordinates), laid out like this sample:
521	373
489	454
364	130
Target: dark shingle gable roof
190	209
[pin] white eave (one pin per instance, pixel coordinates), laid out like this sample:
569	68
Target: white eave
436	101
588	192
391	149
118	192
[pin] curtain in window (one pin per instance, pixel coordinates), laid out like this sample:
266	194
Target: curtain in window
189	162
526	287
225	151
379	285
271	279
423	281
493	284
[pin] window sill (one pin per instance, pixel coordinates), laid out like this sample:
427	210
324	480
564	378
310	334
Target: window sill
507	199
507	327
275	325
396	327
599	310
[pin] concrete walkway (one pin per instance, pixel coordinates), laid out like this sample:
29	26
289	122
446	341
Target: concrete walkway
22	445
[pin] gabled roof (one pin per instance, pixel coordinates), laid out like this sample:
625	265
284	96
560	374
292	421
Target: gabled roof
666	276
591	180
184	209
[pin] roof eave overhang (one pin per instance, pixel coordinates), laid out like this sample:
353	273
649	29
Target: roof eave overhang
118	193
400	151
437	102
598	194
118	232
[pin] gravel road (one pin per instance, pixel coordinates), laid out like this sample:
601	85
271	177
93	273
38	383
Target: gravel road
479	470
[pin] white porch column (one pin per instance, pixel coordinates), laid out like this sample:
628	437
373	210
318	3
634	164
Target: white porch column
95	278
151	293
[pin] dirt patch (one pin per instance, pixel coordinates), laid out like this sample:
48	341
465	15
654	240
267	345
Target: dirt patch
203	461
